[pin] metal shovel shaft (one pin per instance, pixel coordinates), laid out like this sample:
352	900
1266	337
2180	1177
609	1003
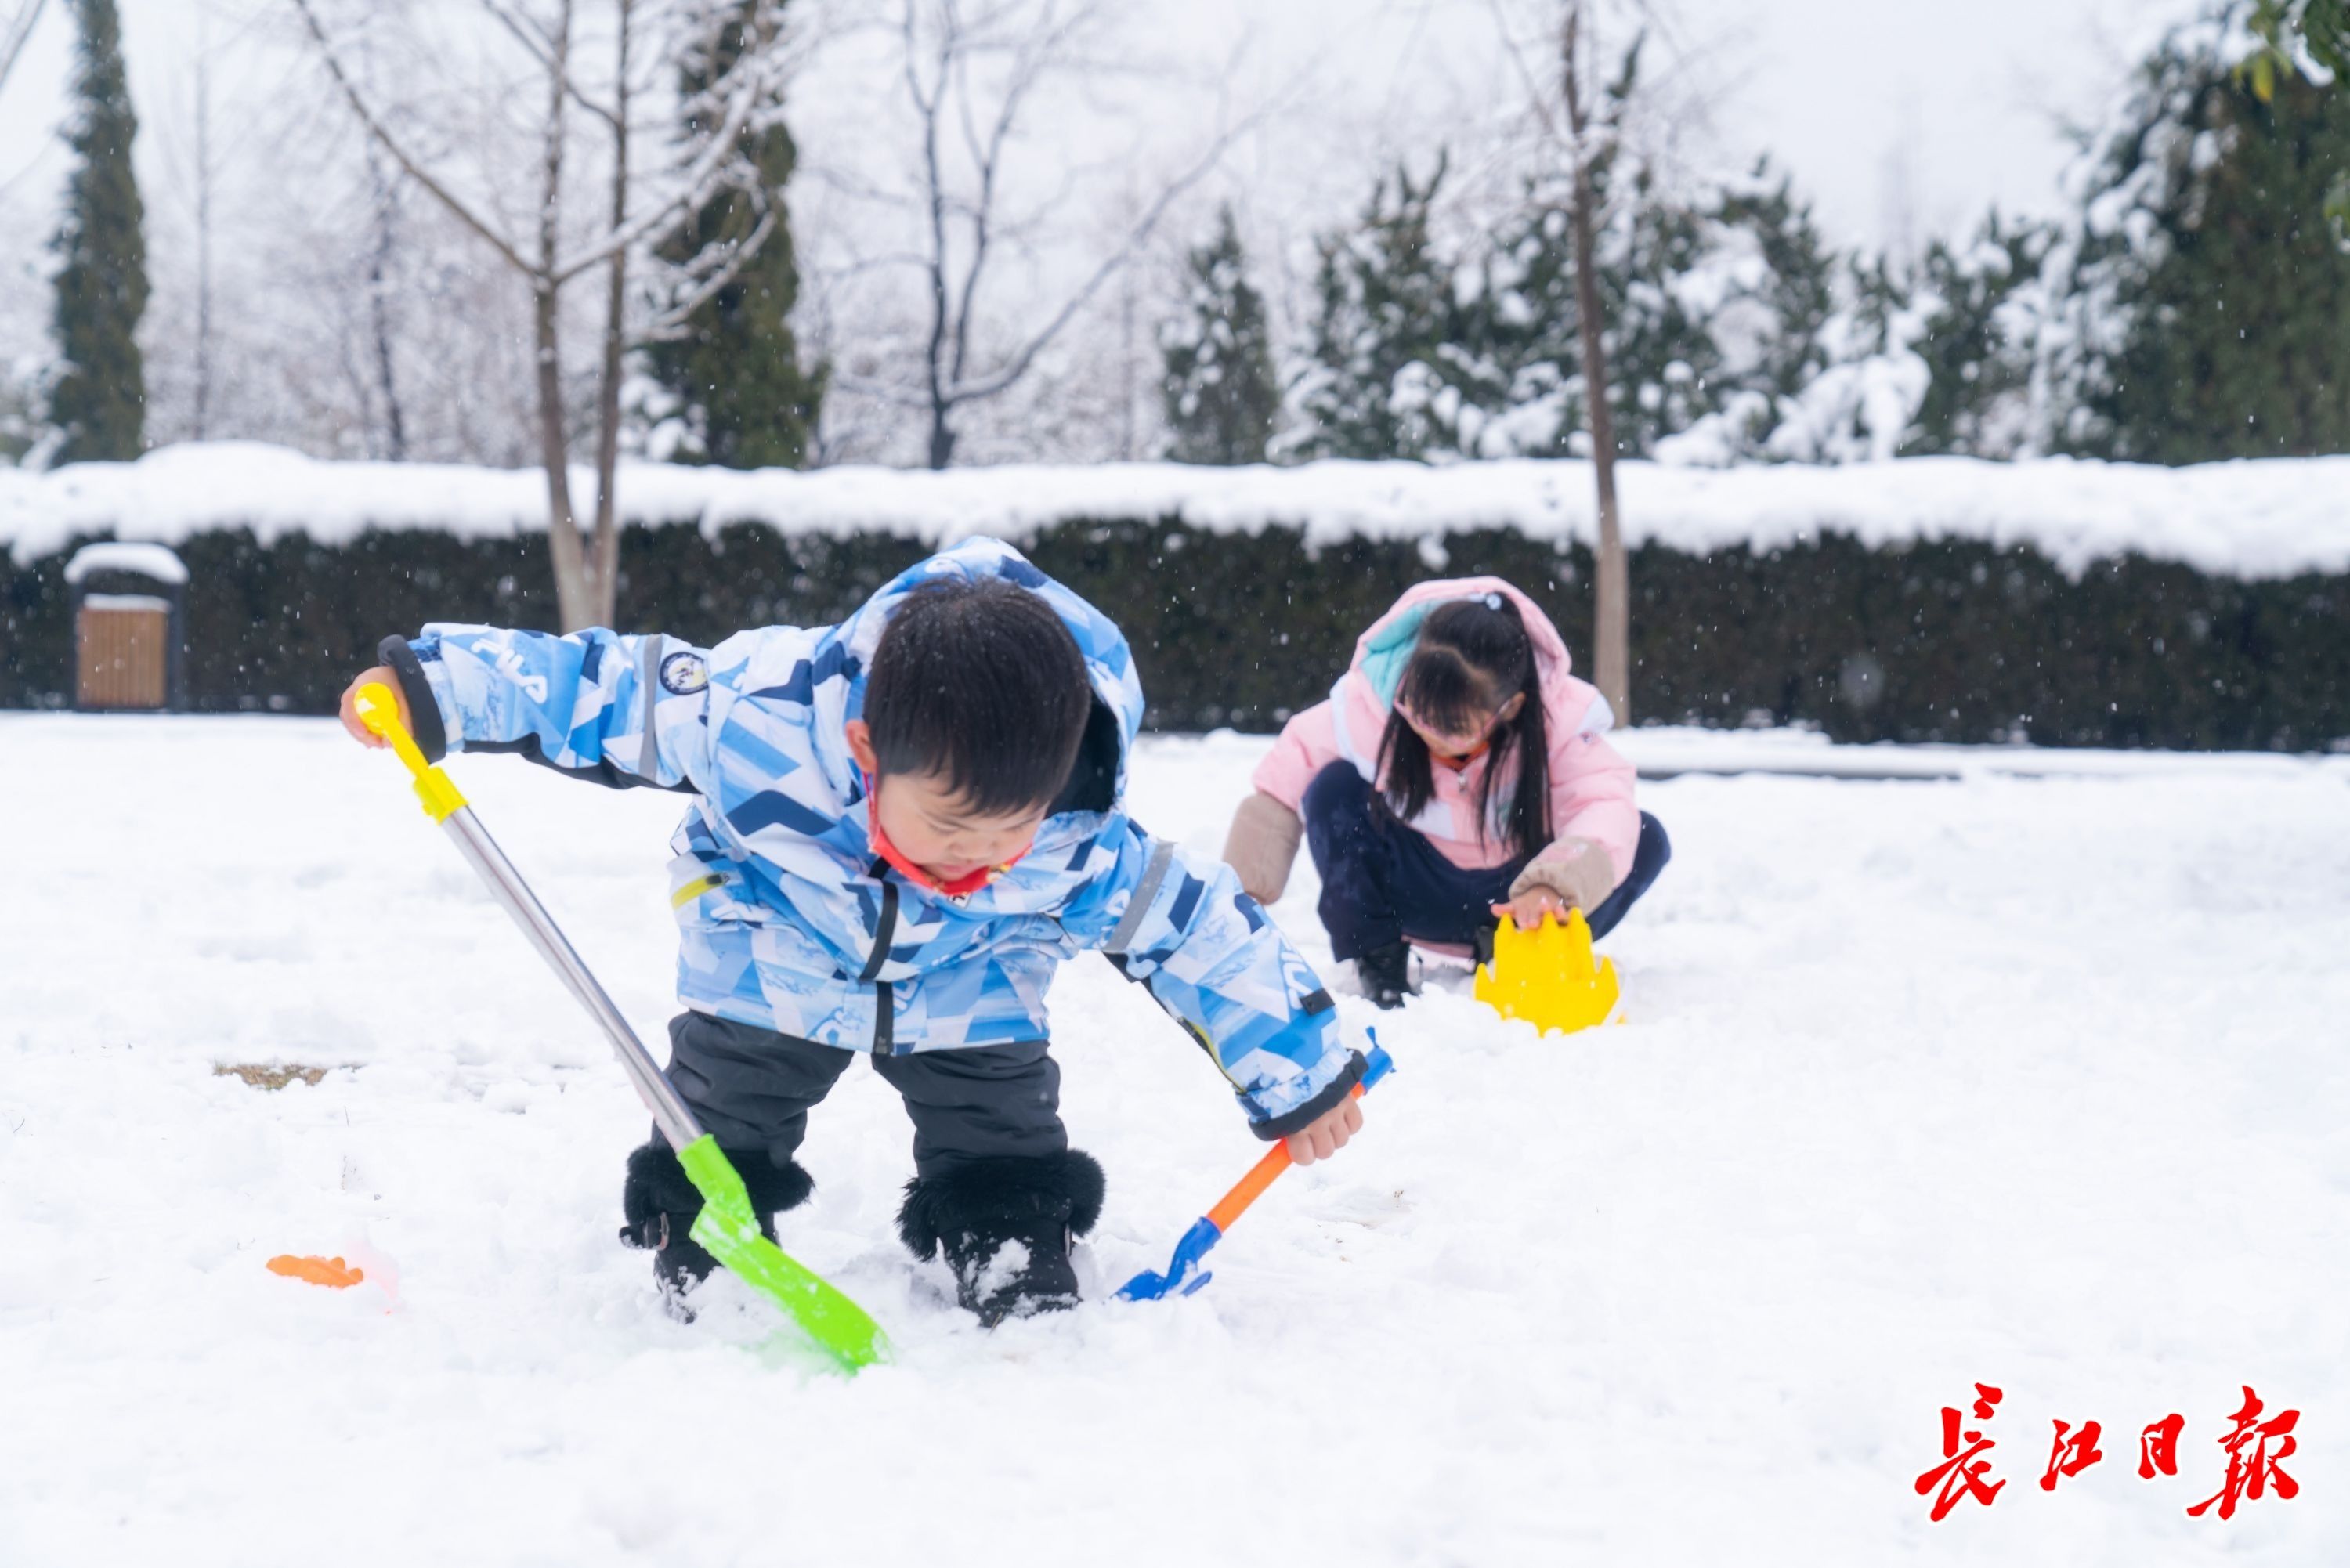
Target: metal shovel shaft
728	1226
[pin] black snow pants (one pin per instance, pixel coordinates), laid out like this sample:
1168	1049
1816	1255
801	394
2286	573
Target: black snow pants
753	1088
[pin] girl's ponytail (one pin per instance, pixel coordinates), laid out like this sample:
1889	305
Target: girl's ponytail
1473	656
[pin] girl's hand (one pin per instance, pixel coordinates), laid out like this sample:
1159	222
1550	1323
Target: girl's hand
1326	1133
382	675
1529	907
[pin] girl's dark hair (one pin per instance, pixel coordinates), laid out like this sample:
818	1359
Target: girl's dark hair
1473	656
977	682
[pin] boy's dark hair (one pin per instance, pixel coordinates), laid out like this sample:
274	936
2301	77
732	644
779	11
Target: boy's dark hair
978	683
1472	657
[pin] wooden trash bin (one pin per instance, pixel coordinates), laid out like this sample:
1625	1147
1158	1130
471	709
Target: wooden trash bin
126	656
127	644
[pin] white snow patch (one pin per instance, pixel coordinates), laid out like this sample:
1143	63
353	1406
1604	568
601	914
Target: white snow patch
149	560
1010	1261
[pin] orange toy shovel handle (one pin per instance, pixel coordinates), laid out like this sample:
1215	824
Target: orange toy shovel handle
1261	1175
1181	1274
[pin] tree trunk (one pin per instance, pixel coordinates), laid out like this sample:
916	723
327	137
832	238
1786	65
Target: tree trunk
1612	629
574	596
204	228
574	604
604	569
379	309
943	439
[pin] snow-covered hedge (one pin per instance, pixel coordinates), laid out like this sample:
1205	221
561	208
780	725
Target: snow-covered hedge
1924	599
2252	520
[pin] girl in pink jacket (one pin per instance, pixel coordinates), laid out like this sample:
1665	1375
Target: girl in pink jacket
1458	774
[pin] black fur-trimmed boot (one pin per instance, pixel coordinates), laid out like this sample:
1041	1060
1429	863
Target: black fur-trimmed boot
660	1203
1005	1225
1385	973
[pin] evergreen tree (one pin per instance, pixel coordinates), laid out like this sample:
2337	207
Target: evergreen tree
20	416
1794	288
1865	382
1524	329
1372	389
1722	310
1734	332
1517	359
2200	300
734	386
1222	398
2295	35
1513	365
1666	278
100	401
1977	342
2293	31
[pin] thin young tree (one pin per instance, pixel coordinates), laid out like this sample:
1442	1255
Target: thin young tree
638	209
98	406
1587	134
971	74
1586	123
384	198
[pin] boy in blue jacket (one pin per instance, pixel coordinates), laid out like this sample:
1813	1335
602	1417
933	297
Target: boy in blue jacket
899	826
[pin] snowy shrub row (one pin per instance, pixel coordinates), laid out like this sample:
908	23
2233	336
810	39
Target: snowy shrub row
2267	518
1872	627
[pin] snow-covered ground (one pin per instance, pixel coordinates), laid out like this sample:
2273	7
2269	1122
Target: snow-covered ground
2038	1082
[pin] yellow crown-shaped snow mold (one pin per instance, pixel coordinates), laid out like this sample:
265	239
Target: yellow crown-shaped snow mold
1548	976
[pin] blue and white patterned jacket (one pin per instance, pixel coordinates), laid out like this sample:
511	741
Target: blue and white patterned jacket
789	920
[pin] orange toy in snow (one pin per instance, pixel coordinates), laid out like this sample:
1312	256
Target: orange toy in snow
332	1272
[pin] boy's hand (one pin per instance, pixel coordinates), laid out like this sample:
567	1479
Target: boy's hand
382	675
1326	1133
1529	907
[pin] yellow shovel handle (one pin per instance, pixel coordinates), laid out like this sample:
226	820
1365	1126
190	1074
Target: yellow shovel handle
378	710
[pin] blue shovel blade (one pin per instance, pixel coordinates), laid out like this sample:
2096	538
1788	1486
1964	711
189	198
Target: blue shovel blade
1149	1286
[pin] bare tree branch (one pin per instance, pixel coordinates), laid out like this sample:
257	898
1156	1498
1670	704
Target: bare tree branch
527	34
1136	238
850	184
412	166
886	391
1032	60
748	81
13	36
668	323
1536	98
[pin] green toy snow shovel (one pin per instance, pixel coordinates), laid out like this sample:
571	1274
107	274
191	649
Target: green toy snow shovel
727	1225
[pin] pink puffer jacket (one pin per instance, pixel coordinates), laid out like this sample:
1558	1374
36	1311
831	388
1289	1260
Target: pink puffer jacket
1590	782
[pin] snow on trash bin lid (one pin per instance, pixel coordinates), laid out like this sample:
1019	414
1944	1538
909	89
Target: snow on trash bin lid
155	561
152	602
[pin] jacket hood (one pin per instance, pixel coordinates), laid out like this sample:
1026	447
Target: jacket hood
1383	650
1109	662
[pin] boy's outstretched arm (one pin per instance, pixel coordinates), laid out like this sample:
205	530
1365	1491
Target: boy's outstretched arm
621	710
1182	926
